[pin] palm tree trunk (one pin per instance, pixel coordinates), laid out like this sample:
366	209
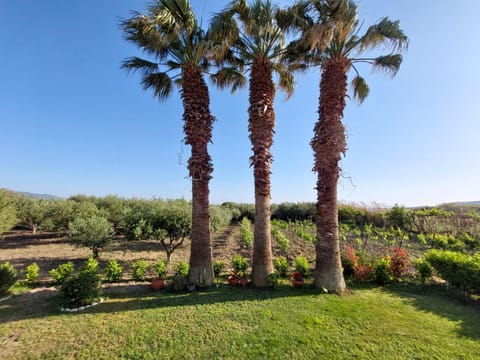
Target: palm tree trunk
261	124
328	144
198	130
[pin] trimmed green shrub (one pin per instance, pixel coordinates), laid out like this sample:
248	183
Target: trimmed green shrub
160	269
273	280
90	265
82	288
62	272
181	269
281	239
8	278
302	266
218	267
382	273
459	270
139	269
32	273
113	271
281	266
239	264
424	269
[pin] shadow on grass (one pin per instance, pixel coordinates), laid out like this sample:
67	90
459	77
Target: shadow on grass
47	302
436	299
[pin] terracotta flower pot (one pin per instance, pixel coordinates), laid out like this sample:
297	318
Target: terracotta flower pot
232	280
243	281
297	282
157	284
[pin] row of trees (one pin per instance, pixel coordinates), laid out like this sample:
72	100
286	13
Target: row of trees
248	40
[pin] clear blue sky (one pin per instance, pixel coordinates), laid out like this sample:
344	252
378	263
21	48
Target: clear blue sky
72	122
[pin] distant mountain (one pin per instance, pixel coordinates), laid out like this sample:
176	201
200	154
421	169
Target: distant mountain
37	196
466	204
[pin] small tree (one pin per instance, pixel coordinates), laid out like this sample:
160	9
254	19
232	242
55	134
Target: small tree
172	224
32	212
8	217
93	232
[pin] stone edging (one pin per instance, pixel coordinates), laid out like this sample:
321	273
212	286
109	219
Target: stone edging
5	298
82	307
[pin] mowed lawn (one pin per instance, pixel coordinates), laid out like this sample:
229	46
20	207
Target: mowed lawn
228	323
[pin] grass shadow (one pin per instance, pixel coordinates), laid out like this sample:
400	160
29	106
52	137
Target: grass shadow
436	299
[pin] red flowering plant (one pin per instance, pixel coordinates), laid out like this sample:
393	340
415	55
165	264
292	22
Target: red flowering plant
398	262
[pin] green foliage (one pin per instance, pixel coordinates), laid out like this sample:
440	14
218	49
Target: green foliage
239	211
32	273
382	274
239	264
399	217
90	265
273	280
424	269
294	211
160	269
218	267
8	215
302	266
62	272
32	212
113	271
281	239
181	269
459	270
8	278
246	231
281	266
305	230
93	232
220	216
82	288
139	269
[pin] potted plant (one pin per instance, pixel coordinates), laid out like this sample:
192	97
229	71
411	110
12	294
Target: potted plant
238	274
273	280
158	282
297	279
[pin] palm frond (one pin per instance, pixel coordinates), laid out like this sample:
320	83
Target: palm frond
296	17
286	80
360	88
385	32
136	64
389	63
160	83
229	77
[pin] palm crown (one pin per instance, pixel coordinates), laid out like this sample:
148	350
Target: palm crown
171	35
246	33
330	30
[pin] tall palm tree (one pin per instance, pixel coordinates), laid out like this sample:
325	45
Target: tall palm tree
337	54
169	32
252	37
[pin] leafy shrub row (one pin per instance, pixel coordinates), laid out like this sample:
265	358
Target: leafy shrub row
459	270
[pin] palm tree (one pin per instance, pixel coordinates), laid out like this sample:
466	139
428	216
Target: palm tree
169	32
251	37
337	52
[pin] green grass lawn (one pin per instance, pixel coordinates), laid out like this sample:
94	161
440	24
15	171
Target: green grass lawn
227	323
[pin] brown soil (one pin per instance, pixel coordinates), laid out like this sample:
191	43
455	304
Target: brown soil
49	250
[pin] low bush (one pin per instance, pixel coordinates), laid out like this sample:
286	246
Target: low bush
281	239
8	278
424	269
459	270
239	264
113	271
32	273
62	272
218	267
139	270
91	265
349	261
160	269
398	263
281	266
246	231
273	280
382	271
181	269
302	266
82	288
